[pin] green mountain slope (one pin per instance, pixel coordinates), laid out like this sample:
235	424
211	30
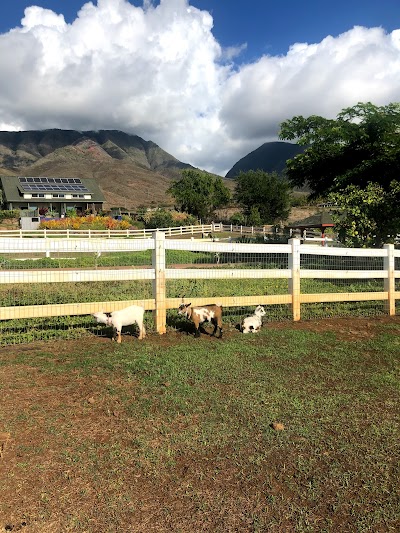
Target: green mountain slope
270	157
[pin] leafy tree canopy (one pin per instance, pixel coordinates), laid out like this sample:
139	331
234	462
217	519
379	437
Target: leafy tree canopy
354	162
265	197
361	145
368	217
199	193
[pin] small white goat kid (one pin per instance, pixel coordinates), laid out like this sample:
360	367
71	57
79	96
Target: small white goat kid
252	324
124	317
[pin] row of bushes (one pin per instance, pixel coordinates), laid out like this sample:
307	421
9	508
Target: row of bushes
163	218
149	220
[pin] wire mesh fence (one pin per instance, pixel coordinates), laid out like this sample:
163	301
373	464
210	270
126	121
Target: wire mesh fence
50	288
239	275
46	287
342	272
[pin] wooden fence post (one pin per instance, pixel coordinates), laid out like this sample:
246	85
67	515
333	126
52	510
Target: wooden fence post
294	281
389	286
159	287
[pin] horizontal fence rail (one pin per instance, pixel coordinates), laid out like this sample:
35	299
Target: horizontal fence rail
172	270
35	245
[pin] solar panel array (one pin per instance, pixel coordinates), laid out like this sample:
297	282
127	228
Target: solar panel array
52	184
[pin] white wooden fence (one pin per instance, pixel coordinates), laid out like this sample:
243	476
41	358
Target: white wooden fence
208	230
116	234
160	274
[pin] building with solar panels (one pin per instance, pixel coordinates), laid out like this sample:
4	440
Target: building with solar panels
58	195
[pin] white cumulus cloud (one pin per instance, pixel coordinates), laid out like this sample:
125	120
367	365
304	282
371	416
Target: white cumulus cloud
158	72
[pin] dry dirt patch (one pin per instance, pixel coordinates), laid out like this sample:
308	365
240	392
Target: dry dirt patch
342	328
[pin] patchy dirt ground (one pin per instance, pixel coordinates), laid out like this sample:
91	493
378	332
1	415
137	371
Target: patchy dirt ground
342	328
65	465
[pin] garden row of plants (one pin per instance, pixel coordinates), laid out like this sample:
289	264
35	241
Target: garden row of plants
160	218
144	219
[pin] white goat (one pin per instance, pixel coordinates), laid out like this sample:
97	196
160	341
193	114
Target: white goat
124	317
252	324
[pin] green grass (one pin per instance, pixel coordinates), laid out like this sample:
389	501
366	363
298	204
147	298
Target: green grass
179	431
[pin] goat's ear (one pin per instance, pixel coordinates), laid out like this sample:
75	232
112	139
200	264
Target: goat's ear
188	305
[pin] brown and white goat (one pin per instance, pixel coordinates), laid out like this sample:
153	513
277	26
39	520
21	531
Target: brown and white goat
203	313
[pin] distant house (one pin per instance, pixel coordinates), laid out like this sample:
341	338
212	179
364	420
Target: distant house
53	194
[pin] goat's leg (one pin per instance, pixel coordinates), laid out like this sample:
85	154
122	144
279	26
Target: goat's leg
197	331
119	340
142	329
219	325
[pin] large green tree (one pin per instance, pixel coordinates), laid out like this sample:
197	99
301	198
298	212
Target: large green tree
354	158
368	217
265	194
199	193
361	145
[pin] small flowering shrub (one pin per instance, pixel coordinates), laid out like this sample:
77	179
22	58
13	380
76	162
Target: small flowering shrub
88	222
163	218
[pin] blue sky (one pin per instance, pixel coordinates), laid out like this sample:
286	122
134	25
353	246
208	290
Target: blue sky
194	74
268	27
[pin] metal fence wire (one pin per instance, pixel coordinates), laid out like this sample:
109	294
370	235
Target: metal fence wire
49	288
342	274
